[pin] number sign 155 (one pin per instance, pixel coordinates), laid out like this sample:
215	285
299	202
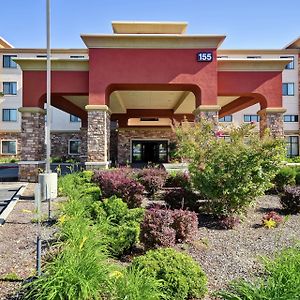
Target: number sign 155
204	56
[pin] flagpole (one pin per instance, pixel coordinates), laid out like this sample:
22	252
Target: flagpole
48	108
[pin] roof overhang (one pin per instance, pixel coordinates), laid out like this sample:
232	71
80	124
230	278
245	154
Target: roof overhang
40	64
137	27
5	44
152	41
253	65
295	44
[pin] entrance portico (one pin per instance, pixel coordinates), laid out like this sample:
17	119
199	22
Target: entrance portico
136	82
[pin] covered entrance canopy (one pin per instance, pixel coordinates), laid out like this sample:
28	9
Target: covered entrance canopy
144	76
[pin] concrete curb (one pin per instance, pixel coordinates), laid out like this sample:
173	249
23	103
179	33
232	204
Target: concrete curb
11	204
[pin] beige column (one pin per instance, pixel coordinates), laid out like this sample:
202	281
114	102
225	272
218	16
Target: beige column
271	120
33	143
98	136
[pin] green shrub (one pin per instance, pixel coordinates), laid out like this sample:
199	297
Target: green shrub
280	282
181	276
123	228
93	192
134	284
230	175
285	176
80	270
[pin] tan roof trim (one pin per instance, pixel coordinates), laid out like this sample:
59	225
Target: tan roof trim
270	110
152	41
138	27
57	64
295	44
44	51
254	65
257	51
5	44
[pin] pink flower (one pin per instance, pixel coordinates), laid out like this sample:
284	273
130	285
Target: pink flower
219	134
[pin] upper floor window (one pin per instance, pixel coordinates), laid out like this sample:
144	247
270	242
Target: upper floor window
251	118
290	118
9	115
290	65
74	119
254	57
288	89
9	147
292	145
9	88
8	62
41	56
226	119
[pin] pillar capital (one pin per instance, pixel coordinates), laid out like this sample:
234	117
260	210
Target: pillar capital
100	107
271	110
34	110
206	108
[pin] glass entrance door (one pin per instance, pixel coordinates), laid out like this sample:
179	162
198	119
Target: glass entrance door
149	151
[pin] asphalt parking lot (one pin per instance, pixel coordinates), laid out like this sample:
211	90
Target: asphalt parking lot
7	191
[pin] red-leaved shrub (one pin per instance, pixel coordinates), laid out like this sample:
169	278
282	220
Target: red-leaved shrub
290	199
178	179
185	224
152	179
229	222
274	216
180	198
156	229
120	184
165	227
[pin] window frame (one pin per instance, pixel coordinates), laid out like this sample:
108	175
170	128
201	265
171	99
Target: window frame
288	83
257	118
9	109
285	118
69	146
12	64
10	84
7	140
71	116
292	62
289	146
223	119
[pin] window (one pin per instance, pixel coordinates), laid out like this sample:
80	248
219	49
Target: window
74	119
290	65
9	147
9	115
251	118
288	89
8	62
9	88
74	147
76	56
222	56
226	119
292	145
41	56
290	118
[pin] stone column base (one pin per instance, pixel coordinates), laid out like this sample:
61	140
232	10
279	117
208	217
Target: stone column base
272	119
96	165
29	170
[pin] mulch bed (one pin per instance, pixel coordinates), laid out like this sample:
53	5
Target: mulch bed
223	254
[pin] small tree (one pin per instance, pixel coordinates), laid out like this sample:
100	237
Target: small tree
229	174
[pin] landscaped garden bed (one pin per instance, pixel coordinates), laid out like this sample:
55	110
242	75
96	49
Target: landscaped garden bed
146	234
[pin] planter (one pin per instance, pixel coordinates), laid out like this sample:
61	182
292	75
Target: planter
179	167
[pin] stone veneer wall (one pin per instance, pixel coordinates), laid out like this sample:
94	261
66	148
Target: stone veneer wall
125	135
12	136
272	121
60	143
98	136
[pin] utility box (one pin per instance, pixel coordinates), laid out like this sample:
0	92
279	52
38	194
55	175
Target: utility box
48	184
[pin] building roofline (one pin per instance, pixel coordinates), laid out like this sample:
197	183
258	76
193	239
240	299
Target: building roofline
294	44
153	41
44	50
258	51
4	44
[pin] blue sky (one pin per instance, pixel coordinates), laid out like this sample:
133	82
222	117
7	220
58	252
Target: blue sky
248	24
